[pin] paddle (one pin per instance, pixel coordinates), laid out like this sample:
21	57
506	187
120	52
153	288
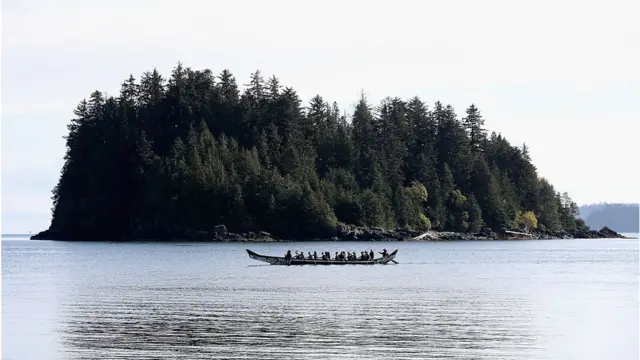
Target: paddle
395	262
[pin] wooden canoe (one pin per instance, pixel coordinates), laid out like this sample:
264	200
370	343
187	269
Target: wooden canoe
279	260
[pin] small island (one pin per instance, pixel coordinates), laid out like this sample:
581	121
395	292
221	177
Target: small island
192	157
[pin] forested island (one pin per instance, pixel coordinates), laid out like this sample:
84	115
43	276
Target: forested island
194	157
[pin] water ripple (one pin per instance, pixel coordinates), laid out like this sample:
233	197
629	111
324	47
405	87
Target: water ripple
249	322
473	300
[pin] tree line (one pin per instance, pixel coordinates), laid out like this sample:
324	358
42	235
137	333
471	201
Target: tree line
188	152
619	217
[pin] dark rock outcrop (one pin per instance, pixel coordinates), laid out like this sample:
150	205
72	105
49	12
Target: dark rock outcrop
48	235
220	230
346	233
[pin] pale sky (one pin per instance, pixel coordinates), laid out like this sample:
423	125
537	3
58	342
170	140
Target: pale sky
561	76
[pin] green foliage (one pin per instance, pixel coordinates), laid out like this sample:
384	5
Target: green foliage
372	209
548	210
458	212
581	225
416	201
423	223
173	155
475	214
347	208
529	220
417	192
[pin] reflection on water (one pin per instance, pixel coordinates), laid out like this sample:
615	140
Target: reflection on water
230	323
454	300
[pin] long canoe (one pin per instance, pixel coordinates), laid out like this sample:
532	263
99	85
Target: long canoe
278	260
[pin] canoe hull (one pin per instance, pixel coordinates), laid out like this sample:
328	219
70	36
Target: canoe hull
276	260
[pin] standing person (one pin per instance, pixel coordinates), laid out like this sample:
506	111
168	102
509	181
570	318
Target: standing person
371	254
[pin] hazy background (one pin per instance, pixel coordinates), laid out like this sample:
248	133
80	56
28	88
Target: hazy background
558	75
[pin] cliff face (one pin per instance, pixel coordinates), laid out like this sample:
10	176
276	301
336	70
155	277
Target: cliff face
169	159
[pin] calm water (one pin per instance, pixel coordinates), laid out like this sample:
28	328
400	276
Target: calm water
567	299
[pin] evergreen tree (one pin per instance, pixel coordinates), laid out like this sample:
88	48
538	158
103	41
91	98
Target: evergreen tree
169	157
474	125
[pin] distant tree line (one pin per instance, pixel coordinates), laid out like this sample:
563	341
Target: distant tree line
192	151
619	217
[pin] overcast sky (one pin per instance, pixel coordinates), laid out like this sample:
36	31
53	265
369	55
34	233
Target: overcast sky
559	75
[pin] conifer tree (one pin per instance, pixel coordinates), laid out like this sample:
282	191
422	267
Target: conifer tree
174	156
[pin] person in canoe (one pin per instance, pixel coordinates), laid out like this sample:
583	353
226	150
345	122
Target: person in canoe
288	255
384	253
371	254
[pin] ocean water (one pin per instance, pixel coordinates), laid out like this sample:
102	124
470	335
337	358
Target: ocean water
548	299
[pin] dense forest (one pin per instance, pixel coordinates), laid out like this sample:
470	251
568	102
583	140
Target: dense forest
188	152
619	217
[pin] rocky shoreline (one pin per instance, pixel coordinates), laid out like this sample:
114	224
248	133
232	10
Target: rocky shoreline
353	233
